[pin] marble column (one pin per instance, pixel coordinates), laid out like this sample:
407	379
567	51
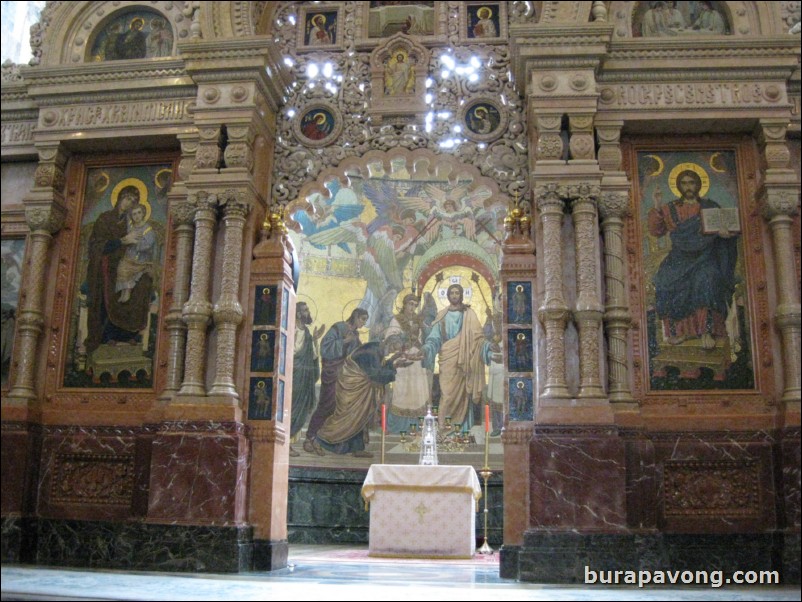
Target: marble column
45	214
614	206
780	199
44	221
588	312
778	209
228	310
553	313
183	213
197	310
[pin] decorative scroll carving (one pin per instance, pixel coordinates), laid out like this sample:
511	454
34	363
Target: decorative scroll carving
712	489
92	479
503	159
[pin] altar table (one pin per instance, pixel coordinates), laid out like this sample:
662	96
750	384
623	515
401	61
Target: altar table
422	511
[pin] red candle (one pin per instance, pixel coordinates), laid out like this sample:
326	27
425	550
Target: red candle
384	417
487	417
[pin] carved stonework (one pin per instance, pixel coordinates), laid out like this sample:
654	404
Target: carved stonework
228	310
350	88
726	489
198	309
82	478
614	204
780	203
49	218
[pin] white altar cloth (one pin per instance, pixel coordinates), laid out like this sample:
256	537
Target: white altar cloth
422	511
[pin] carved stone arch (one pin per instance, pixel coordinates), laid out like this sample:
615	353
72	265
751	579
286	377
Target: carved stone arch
743	18
67	28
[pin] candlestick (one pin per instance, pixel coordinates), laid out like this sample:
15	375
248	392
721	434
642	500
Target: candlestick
487	449
487	418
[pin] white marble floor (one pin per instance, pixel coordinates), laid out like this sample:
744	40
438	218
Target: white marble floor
325	573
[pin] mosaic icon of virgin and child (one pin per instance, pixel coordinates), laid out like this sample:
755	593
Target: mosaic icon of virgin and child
120	273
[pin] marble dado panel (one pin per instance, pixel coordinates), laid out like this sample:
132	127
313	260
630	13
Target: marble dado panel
94	116
198	477
692	95
97	475
577	481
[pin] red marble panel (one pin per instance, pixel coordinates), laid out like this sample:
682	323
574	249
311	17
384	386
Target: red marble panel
197	477
577	481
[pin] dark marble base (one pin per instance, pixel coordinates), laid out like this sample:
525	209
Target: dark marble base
269	555
328	535
18	544
508	561
790	558
142	546
550	557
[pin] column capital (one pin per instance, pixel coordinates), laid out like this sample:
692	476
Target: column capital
183	212
550	196
235	203
614	203
47	216
583	192
780	202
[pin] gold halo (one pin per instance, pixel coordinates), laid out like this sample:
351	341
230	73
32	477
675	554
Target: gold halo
318	17
660	165
140	186
519	288
158	176
480	108
520	336
104	178
400	51
310	303
398	305
261	384
520	384
484	10
712	162
139	20
263	337
320	118
697	169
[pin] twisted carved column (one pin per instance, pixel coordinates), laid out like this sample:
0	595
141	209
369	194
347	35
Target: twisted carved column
228	311
198	309
44	221
554	311
588	313
614	206
183	216
779	209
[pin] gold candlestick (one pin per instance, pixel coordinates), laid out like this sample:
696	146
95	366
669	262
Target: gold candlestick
486	473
